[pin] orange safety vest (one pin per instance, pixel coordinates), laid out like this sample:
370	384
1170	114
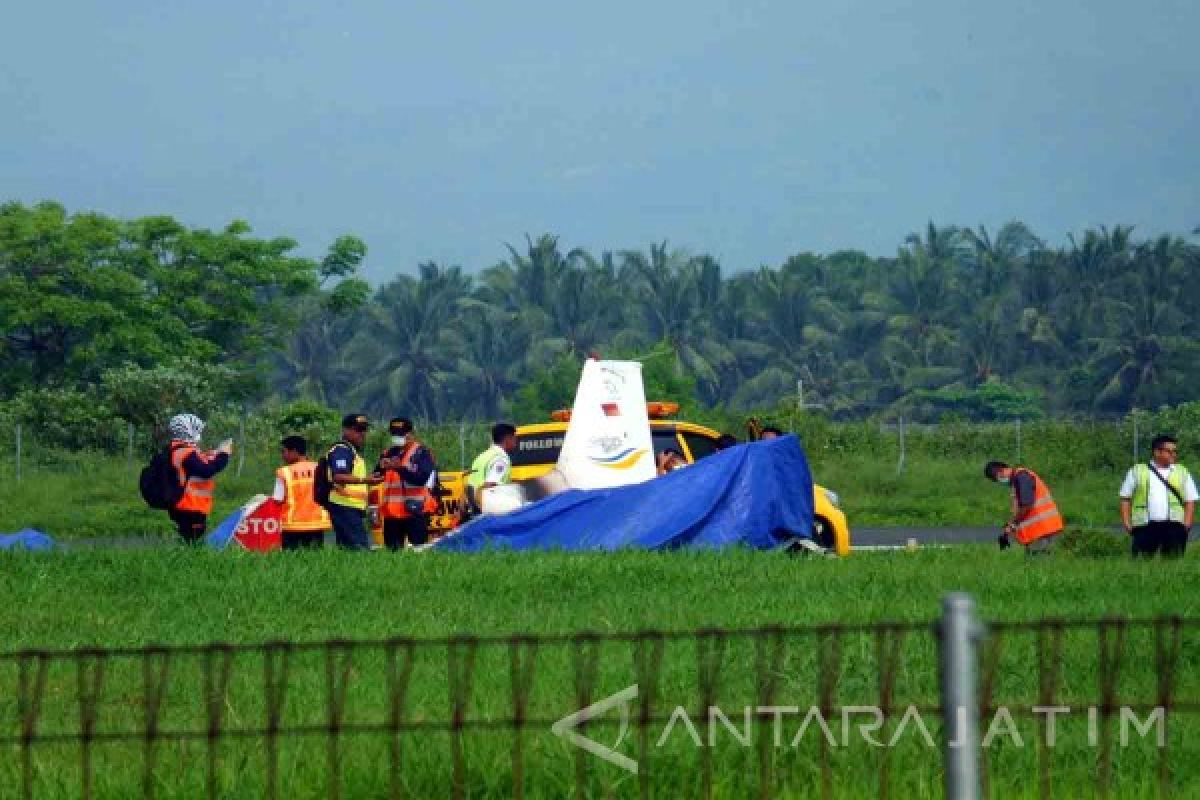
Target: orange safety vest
396	491
197	492
1042	519
301	514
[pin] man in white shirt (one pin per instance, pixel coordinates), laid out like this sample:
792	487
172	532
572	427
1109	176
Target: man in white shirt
1158	501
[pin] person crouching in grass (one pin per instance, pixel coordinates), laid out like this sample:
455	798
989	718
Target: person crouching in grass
1035	519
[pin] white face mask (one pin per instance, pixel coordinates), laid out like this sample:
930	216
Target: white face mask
399	441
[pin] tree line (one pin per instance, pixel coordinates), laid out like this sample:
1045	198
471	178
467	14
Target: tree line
982	324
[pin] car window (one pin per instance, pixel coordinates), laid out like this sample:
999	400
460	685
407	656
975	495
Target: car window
700	445
665	440
537	448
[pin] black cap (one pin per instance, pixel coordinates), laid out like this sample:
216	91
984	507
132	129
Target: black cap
358	422
400	426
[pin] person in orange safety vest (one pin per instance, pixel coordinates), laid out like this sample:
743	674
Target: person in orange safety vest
1035	520
196	470
303	522
409	477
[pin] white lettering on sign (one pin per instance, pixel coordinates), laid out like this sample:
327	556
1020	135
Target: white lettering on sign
257	525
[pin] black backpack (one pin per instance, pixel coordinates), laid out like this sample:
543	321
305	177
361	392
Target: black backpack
158	482
322	485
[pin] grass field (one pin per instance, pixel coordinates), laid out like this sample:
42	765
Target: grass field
177	596
72	495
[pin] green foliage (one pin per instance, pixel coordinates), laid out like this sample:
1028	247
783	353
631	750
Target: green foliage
83	293
1093	543
67	418
991	401
546	390
148	397
318	424
982	325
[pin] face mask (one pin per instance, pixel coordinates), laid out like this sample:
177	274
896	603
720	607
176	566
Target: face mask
399	441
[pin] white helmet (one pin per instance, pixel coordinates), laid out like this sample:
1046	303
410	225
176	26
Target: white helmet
186	428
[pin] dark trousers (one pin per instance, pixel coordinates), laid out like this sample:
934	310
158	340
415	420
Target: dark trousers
190	524
1165	537
349	528
413	529
303	541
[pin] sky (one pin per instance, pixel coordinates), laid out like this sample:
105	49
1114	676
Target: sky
749	130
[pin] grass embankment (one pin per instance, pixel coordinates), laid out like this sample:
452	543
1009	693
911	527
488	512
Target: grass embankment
176	596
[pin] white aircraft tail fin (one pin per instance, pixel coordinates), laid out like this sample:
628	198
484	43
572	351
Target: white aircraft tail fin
608	439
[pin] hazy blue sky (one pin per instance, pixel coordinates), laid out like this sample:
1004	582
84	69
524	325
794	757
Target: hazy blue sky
751	130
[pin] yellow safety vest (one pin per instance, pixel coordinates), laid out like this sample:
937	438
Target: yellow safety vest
301	514
352	495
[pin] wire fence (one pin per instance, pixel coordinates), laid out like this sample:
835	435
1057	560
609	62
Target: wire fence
1090	442
1064	708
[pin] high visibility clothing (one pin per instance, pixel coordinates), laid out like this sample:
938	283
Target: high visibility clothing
396	491
482	464
197	492
301	514
1177	479
1043	518
353	495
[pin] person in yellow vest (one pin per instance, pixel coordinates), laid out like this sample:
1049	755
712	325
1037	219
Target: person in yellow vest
303	521
1158	501
492	467
351	483
196	470
409	477
1035	520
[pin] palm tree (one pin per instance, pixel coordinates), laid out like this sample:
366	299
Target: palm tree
674	296
409	349
1144	328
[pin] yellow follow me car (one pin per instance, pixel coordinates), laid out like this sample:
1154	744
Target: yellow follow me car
538	446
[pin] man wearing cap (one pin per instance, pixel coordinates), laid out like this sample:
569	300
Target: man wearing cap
409	476
350	484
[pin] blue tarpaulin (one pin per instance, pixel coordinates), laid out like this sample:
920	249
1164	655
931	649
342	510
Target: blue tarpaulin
28	539
757	495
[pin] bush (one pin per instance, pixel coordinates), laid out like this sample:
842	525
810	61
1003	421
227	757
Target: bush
148	397
318	424
1093	542
66	418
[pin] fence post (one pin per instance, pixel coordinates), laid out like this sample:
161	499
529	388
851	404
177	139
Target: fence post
1137	449
959	631
462	444
241	442
900	464
18	452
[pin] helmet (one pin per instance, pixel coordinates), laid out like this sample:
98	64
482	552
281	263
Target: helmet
186	427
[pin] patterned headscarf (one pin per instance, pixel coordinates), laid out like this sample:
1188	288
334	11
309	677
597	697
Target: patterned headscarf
186	428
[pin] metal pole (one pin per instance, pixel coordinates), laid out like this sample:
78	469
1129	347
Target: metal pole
18	452
900	465
241	442
1018	440
1137	448
462	444
959	631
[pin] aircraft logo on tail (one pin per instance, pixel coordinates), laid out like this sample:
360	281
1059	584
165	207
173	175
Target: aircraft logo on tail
622	460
